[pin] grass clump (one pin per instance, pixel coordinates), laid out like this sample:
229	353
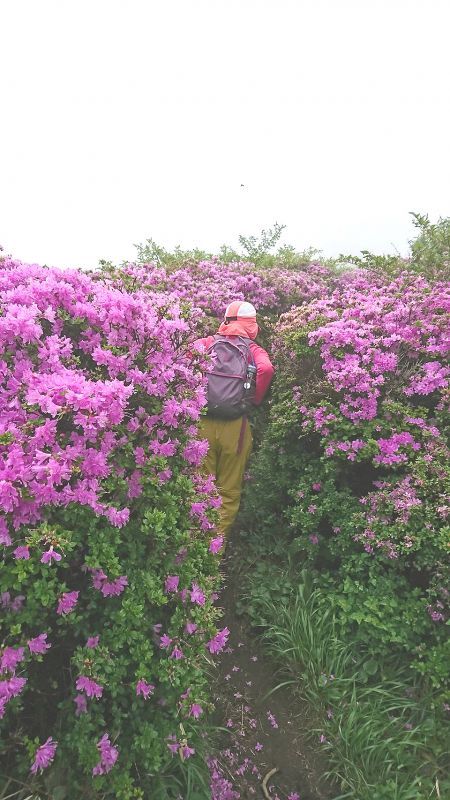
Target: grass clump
379	731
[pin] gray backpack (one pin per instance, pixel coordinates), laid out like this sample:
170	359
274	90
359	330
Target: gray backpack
231	382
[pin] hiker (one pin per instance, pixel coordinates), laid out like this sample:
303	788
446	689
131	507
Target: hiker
239	378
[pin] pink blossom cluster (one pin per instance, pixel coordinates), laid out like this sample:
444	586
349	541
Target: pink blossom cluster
220	785
371	386
210	285
100	397
372	337
47	380
44	755
108	756
12	659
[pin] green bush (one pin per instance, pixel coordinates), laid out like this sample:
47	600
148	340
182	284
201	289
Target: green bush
353	480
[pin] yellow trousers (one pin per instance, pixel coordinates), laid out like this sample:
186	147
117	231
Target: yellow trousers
229	448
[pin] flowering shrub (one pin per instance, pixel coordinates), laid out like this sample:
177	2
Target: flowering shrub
353	471
210	285
109	570
110	558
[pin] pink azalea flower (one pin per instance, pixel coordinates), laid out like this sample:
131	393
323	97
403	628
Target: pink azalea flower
171	583
44	755
22	552
145	689
172	744
67	602
219	641
197	595
183	595
216	544
108	756
165	641
190	627
12	656
272	719
50	555
12	687
39	644
195	710
81	704
314	539
17	603
92	642
98	576
114	588
89	686
177	653
5	538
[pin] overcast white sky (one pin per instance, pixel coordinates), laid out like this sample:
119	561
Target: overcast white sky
122	120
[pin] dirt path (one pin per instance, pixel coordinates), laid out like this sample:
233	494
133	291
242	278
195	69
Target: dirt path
265	733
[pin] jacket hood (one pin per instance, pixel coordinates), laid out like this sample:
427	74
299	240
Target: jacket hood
243	326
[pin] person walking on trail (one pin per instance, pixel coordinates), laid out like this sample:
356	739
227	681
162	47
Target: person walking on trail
240	375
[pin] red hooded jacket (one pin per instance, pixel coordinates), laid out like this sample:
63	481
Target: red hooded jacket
246	326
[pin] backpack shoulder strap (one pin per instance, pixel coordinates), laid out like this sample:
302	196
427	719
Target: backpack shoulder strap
248	342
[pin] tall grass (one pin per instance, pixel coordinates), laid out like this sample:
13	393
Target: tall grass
379	735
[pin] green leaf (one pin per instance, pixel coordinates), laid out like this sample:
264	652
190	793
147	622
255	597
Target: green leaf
370	666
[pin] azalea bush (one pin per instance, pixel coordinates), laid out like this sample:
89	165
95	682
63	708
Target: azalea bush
352	477
109	559
350	487
109	578
211	284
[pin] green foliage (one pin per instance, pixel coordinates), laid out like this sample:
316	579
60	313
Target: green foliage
151	252
99	588
431	249
378	731
378	600
148	546
259	250
331	600
430	252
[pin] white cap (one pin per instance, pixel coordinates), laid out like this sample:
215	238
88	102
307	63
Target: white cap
240	308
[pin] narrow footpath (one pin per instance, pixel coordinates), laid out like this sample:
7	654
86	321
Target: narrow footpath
266	752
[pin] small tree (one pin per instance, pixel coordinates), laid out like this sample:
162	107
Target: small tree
431	250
